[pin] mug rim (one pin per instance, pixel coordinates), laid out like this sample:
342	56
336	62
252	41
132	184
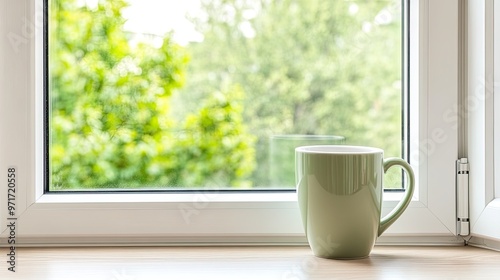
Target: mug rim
338	149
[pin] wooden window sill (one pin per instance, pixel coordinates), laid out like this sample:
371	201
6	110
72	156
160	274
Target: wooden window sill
134	263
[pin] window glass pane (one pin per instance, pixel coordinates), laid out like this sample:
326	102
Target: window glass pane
154	94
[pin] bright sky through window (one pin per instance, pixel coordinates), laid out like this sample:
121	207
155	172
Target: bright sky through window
160	17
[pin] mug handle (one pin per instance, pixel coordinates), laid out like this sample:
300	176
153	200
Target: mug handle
390	218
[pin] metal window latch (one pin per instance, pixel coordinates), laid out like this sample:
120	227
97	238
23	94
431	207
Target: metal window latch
462	197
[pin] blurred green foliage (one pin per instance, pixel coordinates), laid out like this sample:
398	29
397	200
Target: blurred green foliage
216	138
140	116
309	67
110	103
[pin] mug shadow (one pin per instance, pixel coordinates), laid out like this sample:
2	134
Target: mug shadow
378	265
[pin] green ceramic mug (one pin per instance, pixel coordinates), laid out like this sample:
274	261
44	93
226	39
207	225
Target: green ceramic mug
340	198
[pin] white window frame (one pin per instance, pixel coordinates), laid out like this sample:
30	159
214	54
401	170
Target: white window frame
484	121
217	218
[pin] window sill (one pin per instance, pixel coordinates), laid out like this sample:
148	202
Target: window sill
385	262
